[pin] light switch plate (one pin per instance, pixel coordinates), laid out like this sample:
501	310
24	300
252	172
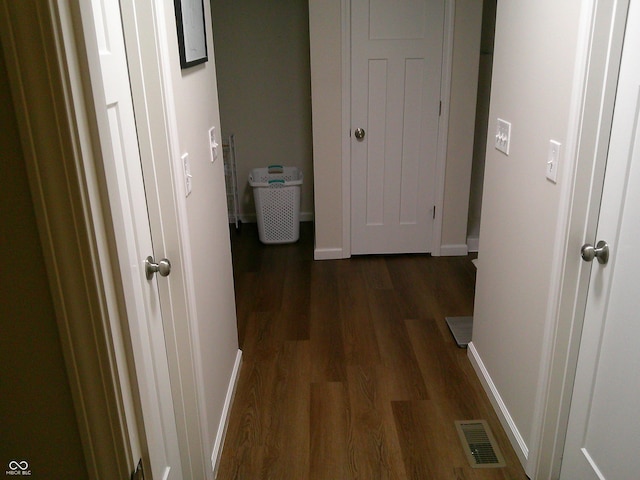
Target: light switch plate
188	178
213	144
503	136
553	159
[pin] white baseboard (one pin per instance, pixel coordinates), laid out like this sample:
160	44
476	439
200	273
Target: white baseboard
327	254
518	443
473	244
454	250
226	411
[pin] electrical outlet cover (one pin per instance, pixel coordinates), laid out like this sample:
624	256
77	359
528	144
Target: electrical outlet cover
503	136
213	144
187	174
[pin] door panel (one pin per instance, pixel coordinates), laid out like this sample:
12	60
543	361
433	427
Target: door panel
396	62
603	436
399	20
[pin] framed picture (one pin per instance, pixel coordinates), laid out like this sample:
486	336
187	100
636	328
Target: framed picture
192	32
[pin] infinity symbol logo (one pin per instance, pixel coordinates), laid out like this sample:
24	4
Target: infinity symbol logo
23	465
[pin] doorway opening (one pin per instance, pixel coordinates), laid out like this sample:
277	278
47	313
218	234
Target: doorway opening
264	87
482	122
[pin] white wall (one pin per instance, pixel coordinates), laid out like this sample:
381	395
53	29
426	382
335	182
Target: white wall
534	57
264	87
196	108
328	131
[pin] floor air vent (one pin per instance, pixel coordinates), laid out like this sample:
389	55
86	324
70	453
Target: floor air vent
479	444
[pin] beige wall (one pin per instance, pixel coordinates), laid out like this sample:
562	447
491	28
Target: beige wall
262	55
326	94
534	57
328	131
196	107
462	118
37	415
482	120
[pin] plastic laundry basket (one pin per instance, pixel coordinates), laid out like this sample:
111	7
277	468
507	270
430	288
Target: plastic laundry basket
276	191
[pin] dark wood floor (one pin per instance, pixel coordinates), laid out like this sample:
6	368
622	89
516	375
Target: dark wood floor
349	370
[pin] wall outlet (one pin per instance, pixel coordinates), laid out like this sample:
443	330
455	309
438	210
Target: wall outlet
553	159
213	144
503	136
188	178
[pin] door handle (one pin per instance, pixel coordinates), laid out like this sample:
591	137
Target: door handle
601	252
163	267
359	133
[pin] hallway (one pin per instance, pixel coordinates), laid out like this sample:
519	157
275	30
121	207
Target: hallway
349	370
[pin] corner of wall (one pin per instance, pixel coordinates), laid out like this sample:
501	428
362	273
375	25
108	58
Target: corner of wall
509	425
216	452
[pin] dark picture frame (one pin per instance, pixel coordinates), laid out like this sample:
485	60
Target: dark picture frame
192	32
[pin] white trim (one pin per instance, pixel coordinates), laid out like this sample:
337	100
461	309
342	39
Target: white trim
453	250
473	244
346	127
328	254
66	190
216	453
509	425
152	92
200	429
443	125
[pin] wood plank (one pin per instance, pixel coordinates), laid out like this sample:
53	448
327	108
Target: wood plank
358	333
331	450
395	346
296	295
327	350
414	284
428	442
377	453
287	440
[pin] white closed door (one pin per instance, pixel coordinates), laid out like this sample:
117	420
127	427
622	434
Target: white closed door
133	238
603	437
396	65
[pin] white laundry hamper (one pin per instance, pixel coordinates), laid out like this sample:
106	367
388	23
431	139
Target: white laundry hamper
276	192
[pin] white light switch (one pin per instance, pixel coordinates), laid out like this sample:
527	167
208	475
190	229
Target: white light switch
503	136
213	144
553	159
187	174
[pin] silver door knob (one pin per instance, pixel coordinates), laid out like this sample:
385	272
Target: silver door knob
359	133
163	267
601	252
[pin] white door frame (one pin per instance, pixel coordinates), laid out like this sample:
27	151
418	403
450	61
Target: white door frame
121	164
151	88
597	67
443	129
67	184
58	138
